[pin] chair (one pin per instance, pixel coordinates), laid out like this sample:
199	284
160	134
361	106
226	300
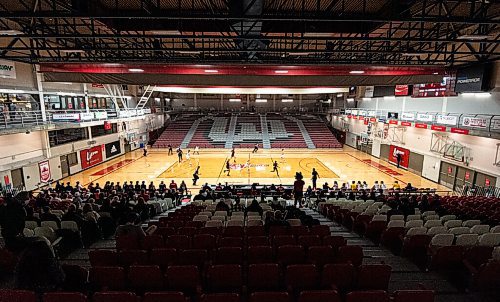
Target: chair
185	278
127	242
373	277
145	277
319	295
334	241
290	254
202	218
226	277
164	296
466	239
433	223
130	257
300	277
453	223
214	224
255	223
447	258
256	230
196	257
446	218
235	223
218	218
230	242
413	296
179	242
367	296
442	240
12	295
339	276
204	241
108	277
309	240
229	255
188	231
320	230
320	255
495	229
294	222
114	297
257	241
350	253
220	297
396	223
471	223
489	239
270	297
69	225
437	230
280	240
220	213
397	217
413	217
163	257
64	297
50	224
153	242
103	258
459	230
480	229
259	254
414	224
46	232
32	225
257	282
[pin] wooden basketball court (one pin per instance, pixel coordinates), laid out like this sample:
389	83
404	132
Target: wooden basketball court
332	165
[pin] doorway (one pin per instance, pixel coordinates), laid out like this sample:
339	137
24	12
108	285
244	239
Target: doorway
64	166
17	178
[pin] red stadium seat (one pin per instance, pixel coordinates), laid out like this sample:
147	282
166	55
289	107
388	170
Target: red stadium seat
447	258
225	278
145	277
234	231
281	240
290	254
196	257
163	257
107	277
413	296
475	256
221	297
75	277
263	277
153	242
204	241
320	230
126	242
257	241
231	242
165	232
164	296
12	295
302	277
350	253
131	257
211	231
334	241
373	277
179	242
309	240
229	255
320	255
270	297
259	254
188	231
487	277
339	276
300	230
255	231
319	295
114	297
278	231
103	258
64	297
184	278
367	296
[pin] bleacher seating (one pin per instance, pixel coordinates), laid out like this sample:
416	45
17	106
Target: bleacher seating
175	132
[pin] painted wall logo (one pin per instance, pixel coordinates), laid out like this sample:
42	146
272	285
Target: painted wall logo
44	168
113	149
7	70
248	165
91	157
474	122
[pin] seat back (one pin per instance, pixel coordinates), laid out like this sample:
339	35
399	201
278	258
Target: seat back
12	295
114	297
466	239
271	281
367	296
489	239
442	240
64	297
413	296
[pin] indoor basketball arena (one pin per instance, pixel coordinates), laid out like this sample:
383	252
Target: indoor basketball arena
249	151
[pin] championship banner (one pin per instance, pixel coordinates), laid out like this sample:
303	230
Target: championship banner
405	156
475	122
44	168
91	157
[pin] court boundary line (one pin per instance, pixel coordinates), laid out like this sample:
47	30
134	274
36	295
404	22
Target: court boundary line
133	161
377	169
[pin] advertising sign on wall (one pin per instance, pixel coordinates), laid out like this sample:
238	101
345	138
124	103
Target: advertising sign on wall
86	116
66	117
406	116
7	70
470	79
405	156
392	115
91	157
474	122
423	117
44	168
446	119
401	90
369	91
113	149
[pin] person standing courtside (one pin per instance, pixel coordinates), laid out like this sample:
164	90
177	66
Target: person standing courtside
399	158
179	154
170	151
315	176
228	168
298	189
196	175
275	168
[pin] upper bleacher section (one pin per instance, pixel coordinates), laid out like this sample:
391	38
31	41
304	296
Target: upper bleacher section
244	130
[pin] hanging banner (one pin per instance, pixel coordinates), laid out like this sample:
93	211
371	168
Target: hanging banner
446	119
475	122
7	70
487	182
405	156
91	157
393	115
44	168
369	91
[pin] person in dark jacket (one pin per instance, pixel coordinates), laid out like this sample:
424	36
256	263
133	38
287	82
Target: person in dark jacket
12	219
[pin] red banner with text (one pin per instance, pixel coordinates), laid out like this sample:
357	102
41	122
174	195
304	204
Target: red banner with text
91	157
405	156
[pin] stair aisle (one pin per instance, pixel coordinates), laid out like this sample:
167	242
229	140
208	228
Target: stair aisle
266	143
231	131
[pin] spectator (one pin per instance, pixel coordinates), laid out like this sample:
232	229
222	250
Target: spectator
254	207
47	215
133	229
72	215
12	219
222	206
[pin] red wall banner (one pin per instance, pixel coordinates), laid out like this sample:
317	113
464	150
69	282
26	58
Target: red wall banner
91	157
438	128
460	131
405	156
44	168
393	122
407	124
421	126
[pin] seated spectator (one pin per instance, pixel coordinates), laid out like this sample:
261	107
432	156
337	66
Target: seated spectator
396	185
222	206
47	215
132	228
162	187
72	215
173	185
254	207
183	187
89	214
276	220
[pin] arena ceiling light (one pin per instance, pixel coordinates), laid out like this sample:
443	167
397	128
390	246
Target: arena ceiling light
477	94
261	100
10	32
287	100
299	54
389	97
356	71
281	71
235	100
136	70
473	37
211	71
350	100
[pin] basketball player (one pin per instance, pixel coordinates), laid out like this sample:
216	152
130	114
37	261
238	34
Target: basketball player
188	157
196	150
179	154
282	155
255	148
170	151
196	175
232	154
275	168
228	167
315	176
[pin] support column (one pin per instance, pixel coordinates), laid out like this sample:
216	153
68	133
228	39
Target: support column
403	107
274	102
195	101
40	92
300	101
221	102
444	105
248	102
86	97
